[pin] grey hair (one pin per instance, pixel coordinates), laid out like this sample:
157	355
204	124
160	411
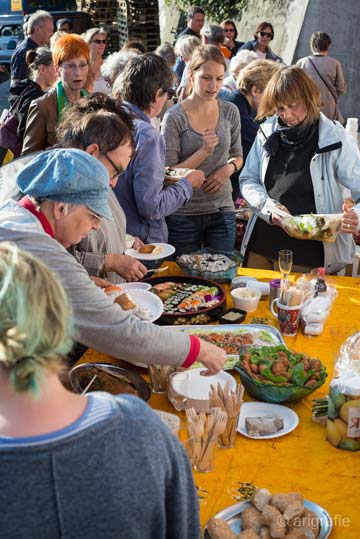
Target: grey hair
115	64
37	19
214	34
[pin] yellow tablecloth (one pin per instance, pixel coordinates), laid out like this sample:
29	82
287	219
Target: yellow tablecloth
302	460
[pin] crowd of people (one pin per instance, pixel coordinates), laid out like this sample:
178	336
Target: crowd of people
92	139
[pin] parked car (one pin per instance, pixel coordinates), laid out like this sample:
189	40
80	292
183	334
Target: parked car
11	22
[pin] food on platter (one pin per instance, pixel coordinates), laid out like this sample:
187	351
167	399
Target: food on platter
196	319
264	425
207	262
268	517
322	227
231	341
150	249
186	297
231	338
125	301
279	366
106	381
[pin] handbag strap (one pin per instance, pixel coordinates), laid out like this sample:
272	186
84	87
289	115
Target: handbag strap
324	81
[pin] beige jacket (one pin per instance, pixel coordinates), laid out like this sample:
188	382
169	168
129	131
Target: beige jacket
331	71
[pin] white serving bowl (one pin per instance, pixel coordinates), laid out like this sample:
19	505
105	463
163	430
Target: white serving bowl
246	299
128	287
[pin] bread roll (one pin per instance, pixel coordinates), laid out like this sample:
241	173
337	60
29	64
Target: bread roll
125	302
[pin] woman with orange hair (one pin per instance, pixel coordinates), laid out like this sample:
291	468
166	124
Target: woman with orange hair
71	58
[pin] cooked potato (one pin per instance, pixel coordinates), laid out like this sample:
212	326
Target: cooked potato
251	519
218	529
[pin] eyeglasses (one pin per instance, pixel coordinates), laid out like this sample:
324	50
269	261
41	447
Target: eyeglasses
99	41
267	34
170	93
74	67
117	170
230	30
93	214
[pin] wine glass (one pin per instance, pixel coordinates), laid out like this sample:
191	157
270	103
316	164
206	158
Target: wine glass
285	265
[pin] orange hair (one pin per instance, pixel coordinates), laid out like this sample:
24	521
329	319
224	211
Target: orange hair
68	47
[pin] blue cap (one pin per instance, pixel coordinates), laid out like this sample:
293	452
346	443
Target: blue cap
70	176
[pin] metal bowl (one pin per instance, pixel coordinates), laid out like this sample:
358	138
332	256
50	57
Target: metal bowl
110	378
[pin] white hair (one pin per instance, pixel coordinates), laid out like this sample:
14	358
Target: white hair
37	19
115	64
242	59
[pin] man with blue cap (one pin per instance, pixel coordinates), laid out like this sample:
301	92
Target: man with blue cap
66	194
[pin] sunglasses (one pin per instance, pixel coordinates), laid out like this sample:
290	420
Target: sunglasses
99	41
267	34
229	30
117	170
170	93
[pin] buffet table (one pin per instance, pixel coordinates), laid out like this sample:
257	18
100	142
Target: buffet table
301	461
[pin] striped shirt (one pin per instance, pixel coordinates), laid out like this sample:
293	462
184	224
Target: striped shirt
99	407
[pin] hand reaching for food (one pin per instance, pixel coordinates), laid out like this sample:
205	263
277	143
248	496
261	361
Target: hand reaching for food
212	357
126	266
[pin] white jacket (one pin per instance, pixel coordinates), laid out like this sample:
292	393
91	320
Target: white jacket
335	173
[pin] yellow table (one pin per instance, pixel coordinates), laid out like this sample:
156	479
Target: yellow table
302	460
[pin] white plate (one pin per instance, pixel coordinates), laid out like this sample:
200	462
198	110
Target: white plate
167	250
149	301
259	409
129	287
193	385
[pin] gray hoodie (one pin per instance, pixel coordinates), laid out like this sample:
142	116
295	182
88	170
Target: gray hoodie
99	323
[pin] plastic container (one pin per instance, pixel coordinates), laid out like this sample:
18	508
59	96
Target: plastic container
246	299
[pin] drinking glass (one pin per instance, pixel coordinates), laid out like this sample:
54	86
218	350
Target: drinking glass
285	265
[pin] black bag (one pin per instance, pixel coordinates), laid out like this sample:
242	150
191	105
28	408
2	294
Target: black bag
8	130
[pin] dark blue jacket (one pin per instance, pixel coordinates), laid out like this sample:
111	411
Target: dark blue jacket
270	55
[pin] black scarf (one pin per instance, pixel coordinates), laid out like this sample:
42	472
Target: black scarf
290	137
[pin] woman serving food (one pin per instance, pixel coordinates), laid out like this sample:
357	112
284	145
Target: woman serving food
300	163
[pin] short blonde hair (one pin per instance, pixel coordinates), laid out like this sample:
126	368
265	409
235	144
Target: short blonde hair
287	86
35	320
257	73
186	45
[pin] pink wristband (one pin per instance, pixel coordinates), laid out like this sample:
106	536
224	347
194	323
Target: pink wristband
193	352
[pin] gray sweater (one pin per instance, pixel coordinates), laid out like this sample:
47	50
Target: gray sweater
126	477
100	324
182	141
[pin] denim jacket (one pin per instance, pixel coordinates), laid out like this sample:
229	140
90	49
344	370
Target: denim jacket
335	174
140	190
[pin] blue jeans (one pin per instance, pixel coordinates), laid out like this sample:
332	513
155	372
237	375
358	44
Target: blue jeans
189	233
